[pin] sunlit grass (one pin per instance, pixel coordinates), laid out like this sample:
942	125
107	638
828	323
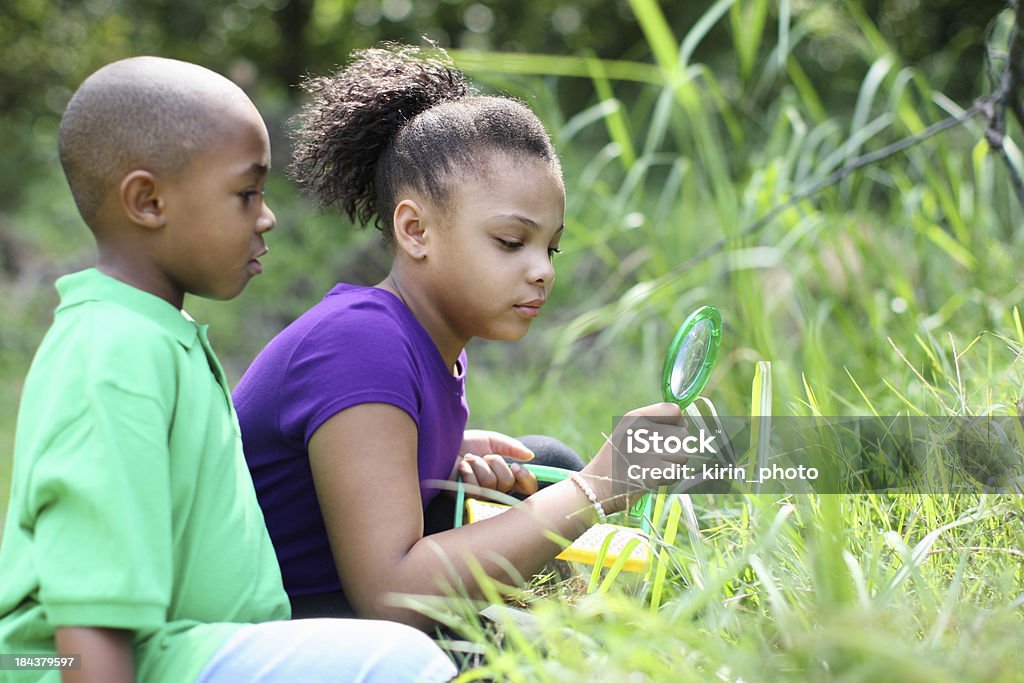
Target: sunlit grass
759	593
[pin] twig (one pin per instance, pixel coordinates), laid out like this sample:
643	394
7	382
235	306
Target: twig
992	106
1015	65
833	178
1007	95
977	548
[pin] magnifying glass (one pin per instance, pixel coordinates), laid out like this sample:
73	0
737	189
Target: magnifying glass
691	356
688	363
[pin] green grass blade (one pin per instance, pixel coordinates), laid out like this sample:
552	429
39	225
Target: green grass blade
660	39
747	21
700	29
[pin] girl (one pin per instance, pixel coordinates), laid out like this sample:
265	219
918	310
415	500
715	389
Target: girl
353	410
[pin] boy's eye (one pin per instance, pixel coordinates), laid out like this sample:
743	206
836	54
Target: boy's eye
249	195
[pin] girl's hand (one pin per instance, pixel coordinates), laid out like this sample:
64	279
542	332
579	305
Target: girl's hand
482	463
611	461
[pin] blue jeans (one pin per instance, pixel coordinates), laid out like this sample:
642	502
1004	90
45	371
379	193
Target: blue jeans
314	650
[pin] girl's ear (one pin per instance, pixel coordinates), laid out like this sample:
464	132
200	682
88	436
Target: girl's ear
410	228
141	200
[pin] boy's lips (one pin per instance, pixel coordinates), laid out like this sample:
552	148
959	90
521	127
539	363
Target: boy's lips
254	262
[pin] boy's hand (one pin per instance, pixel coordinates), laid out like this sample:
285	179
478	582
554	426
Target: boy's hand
482	463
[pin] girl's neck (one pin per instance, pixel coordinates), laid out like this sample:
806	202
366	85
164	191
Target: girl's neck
447	342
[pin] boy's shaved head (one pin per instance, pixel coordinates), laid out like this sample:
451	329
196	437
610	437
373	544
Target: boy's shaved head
140	113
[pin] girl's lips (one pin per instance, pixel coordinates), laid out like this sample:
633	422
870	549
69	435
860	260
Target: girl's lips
528	310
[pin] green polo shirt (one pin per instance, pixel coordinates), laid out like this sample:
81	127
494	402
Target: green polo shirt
131	506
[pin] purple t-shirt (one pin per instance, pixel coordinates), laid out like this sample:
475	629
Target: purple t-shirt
358	345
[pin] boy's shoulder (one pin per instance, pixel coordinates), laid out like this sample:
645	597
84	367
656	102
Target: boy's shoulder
103	328
117	313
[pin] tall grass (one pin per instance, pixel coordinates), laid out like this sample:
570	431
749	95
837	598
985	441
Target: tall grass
920	589
891	292
917	247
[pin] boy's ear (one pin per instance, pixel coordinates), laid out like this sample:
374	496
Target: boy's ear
410	228
141	200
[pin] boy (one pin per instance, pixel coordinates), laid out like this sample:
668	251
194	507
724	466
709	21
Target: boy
133	537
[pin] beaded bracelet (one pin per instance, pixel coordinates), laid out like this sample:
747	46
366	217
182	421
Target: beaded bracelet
588	491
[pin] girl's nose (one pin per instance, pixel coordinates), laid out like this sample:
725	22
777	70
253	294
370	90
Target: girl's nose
543	270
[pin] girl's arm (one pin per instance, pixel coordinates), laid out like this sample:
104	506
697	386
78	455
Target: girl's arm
106	654
363	461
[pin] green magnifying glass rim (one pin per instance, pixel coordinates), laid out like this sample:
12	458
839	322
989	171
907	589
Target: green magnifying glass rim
711	314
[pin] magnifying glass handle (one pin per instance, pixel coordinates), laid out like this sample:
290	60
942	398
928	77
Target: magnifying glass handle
546	473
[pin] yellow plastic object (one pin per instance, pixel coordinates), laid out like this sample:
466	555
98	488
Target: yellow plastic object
585	548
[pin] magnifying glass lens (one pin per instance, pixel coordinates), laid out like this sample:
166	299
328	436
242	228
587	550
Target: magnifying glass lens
690	359
691	356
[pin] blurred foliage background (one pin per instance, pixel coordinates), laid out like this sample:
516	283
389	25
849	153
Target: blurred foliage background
49	46
678	123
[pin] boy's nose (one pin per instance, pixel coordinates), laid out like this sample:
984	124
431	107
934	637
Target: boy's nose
267	220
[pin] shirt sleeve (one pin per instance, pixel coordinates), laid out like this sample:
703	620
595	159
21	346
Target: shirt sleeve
362	357
99	507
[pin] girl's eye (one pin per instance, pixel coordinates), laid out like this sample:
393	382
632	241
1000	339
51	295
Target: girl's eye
553	250
509	245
